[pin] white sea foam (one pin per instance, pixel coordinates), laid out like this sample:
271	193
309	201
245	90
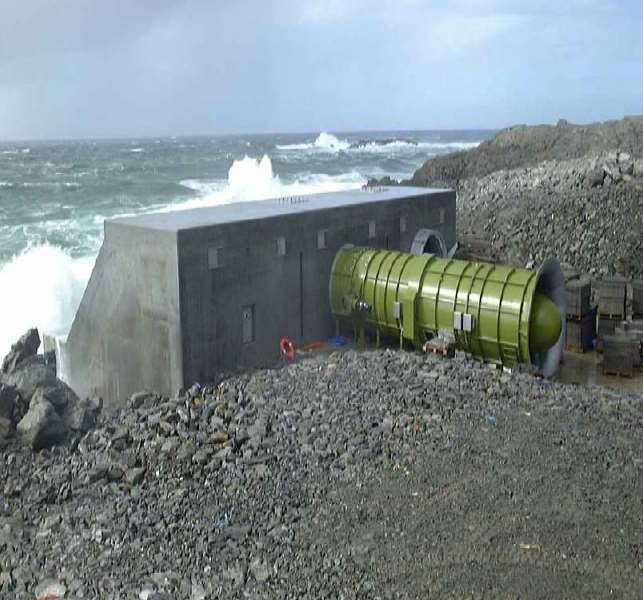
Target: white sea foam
134	150
426	148
325	141
43	184
42	287
254	179
204	187
450	145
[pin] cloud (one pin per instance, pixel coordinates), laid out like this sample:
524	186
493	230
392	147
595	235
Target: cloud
462	34
77	68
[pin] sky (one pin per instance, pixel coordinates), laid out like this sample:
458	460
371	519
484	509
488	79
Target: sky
123	68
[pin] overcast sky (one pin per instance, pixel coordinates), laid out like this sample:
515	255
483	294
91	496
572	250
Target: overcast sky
109	68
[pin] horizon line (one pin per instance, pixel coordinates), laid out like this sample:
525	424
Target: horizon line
237	134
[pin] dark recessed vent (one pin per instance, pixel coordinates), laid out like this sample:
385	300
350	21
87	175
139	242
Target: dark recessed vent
321	239
215	257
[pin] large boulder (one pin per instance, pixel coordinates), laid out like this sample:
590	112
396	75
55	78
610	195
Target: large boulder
26	347
45	408
637	168
6	429
81	415
57	393
42	427
9	396
31	374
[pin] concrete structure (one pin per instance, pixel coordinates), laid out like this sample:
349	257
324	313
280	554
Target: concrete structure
175	297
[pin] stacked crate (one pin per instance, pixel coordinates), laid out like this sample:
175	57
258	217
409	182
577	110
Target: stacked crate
580	327
611	305
633	330
637	298
618	355
569	273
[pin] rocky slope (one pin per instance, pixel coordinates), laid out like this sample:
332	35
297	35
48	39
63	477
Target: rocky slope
523	146
588	212
352	475
570	191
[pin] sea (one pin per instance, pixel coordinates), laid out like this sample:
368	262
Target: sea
56	195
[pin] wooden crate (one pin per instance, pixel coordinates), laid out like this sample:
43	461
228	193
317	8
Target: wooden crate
578	293
445	347
636	340
618	356
580	333
637	297
604	326
611	296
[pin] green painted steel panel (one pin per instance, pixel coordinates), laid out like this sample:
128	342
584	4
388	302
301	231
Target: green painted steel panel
415	297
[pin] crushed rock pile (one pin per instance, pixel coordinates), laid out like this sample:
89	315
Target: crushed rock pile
351	475
588	212
570	191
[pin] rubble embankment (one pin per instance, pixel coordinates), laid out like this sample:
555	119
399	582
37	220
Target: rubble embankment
356	474
570	191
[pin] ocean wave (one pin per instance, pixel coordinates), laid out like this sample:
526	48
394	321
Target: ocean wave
450	145
254	179
134	150
203	187
426	148
327	142
42	184
43	287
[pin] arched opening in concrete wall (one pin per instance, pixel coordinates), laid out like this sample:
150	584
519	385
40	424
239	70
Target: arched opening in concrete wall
429	241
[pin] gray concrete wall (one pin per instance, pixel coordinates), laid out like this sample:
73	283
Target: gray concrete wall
159	314
126	334
288	294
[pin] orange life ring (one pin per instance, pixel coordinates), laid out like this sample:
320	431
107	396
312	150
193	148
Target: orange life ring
287	348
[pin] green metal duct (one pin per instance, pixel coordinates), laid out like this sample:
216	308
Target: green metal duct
500	314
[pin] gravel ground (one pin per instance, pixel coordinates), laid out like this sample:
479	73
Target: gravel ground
350	475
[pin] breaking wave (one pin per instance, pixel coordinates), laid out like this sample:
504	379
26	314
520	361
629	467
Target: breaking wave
41	287
254	179
327	142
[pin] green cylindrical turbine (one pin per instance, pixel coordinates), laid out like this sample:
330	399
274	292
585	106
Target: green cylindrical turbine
499	314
